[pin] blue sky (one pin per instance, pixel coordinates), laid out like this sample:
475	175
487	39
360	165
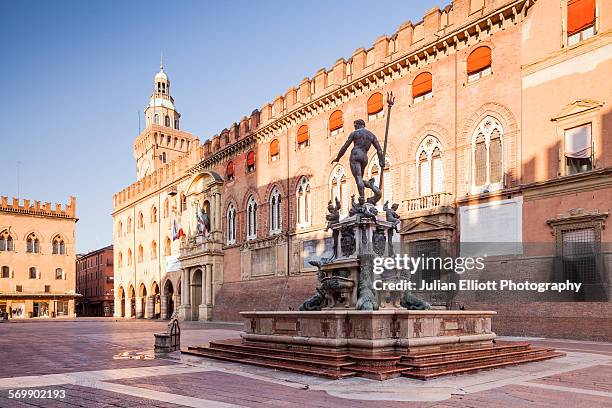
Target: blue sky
77	74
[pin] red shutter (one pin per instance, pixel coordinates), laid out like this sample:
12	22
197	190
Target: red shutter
336	121
478	60
580	15
302	134
375	103
251	158
230	169
421	84
274	148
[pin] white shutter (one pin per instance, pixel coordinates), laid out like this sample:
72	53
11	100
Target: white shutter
437	175
425	171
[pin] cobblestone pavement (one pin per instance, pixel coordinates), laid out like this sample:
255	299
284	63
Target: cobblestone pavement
107	363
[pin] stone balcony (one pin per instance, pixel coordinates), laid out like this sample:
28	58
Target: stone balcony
428	202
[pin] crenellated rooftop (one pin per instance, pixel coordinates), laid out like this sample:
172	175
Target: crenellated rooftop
29	207
440	33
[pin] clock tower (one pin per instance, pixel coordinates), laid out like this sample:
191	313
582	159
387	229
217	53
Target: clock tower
161	141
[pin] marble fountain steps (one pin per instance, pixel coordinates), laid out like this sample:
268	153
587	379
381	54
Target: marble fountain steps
340	364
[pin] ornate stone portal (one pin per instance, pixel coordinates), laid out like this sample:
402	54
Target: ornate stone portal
201	257
342	331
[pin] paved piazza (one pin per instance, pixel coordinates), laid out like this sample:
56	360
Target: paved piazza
107	363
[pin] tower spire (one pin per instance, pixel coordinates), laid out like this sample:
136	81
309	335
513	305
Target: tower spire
161	60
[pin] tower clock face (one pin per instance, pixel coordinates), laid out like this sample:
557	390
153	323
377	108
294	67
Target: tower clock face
144	168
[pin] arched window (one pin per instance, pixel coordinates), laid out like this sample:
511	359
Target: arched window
167	247
303	200
153	250
338	188
33	273
580	20
120	229
302	137
59	274
166	208
6	272
183	202
387	188
6	241
140	253
59	247
274	150
479	63
375	106
251	227
154	214
421	87
336	123
429	166
231	224
140	220
129	225
167	121
156	119
163	157
487	156
129	255
32	244
120	259
251	161
230	171
275	211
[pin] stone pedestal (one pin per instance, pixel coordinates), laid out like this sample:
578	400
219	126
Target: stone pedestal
184	312
379	344
204	313
371	332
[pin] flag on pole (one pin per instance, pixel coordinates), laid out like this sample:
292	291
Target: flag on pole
175	231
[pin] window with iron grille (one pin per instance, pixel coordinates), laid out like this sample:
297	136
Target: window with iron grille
579	255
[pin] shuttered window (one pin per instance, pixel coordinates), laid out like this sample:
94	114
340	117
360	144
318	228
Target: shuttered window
421	85
495	159
336	122
274	150
580	15
480	157
302	136
375	106
580	20
230	170
479	63
251	161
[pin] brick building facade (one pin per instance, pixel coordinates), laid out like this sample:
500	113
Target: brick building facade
500	133
95	276
37	244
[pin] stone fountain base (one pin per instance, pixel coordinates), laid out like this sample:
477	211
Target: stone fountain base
378	344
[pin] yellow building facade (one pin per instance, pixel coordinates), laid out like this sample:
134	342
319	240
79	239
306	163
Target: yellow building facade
37	259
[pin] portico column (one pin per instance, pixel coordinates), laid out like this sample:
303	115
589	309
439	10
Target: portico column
184	311
150	305
165	313
209	285
139	311
203	288
218	211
